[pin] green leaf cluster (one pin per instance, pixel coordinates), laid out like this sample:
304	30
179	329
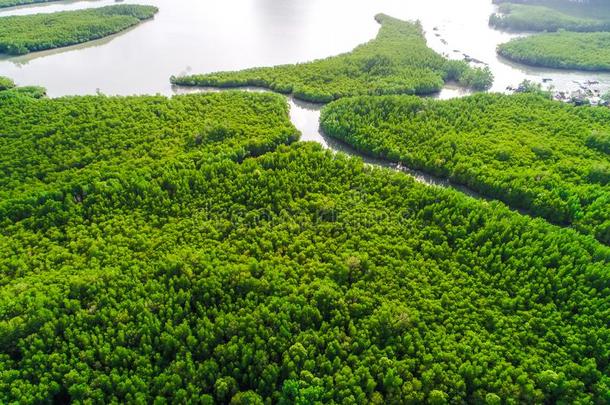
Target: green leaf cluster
6	83
533	153
397	61
9	89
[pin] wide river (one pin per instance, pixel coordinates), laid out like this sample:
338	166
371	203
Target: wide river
198	36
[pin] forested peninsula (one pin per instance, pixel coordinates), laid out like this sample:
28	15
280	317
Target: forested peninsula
189	250
29	33
397	61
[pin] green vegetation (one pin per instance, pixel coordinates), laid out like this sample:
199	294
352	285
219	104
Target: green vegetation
73	140
600	141
524	17
12	3
9	89
530	152
6	83
22	34
27	91
562	50
397	61
146	259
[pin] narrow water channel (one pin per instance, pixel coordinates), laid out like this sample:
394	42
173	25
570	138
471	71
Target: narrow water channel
306	117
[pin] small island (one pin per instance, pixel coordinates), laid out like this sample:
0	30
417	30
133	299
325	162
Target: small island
20	35
561	50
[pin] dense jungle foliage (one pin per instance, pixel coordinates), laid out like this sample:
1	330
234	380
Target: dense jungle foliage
523	17
28	33
562	50
11	3
547	157
397	61
146	258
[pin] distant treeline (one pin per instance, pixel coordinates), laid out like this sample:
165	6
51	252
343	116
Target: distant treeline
519	17
554	2
22	34
12	3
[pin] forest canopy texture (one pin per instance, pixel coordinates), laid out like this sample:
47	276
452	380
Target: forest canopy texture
188	250
543	156
397	61
29	33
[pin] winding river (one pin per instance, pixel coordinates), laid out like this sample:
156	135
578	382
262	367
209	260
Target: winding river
199	36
